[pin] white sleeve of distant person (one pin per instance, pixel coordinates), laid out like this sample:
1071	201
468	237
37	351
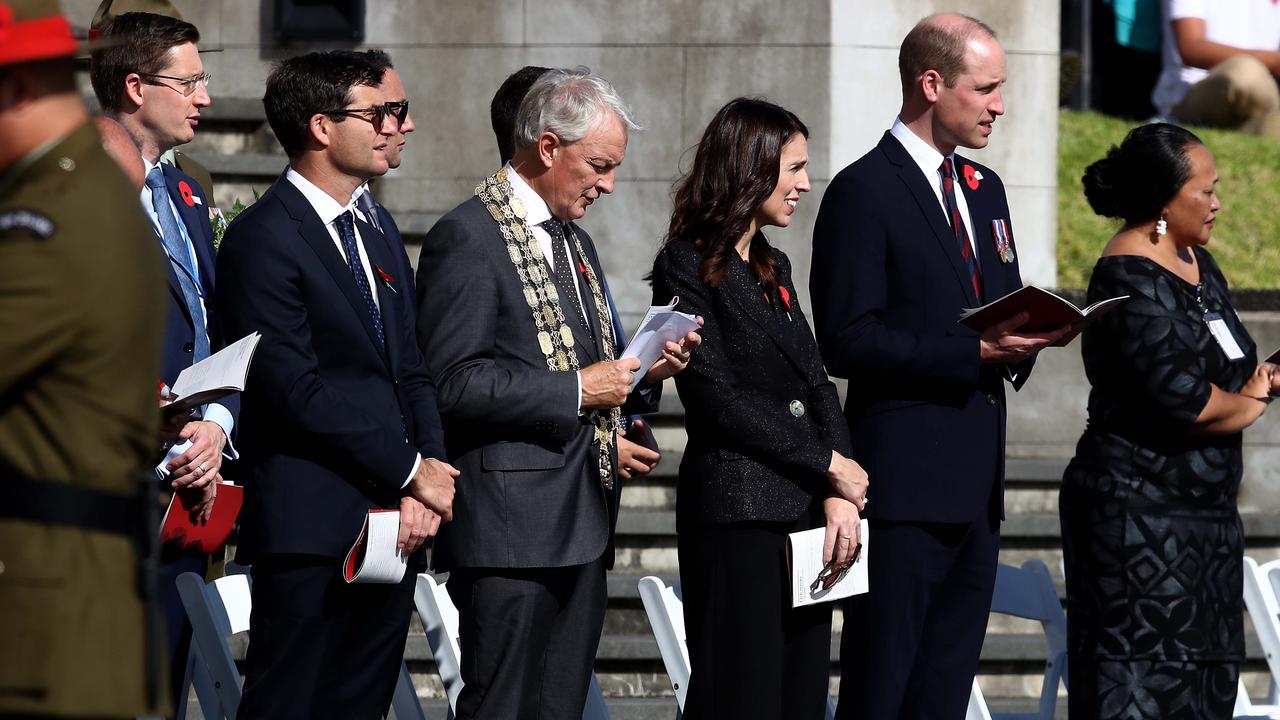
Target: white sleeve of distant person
1179	9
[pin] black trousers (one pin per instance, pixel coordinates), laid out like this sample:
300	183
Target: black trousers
320	648
528	638
751	654
909	648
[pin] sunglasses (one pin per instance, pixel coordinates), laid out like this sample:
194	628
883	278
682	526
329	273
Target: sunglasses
376	114
832	573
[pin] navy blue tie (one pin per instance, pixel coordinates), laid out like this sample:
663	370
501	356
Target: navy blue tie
347	233
175	244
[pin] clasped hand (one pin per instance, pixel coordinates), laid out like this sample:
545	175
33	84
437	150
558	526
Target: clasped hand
1003	344
675	356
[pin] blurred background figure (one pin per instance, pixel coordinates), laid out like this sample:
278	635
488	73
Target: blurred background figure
1221	61
768	443
121	147
81	314
1152	539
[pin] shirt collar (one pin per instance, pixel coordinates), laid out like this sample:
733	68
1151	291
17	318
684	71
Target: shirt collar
535	208
326	207
925	155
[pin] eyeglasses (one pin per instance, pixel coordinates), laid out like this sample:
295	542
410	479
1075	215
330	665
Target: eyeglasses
832	573
187	86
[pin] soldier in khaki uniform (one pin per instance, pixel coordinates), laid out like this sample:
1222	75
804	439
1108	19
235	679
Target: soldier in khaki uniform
81	303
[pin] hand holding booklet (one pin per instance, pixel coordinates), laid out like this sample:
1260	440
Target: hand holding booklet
661	325
375	556
216	376
1047	312
804	561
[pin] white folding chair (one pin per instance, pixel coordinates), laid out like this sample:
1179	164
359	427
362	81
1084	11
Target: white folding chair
440	623
1028	592
1260	599
219	609
664	606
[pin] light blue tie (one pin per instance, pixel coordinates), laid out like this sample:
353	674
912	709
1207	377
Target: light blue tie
176	245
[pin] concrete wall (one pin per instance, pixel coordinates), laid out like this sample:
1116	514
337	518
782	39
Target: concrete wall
832	62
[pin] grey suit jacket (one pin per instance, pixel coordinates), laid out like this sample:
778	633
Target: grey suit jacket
529	494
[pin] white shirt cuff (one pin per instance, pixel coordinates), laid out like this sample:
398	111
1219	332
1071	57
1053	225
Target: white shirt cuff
412	472
579	376
215	413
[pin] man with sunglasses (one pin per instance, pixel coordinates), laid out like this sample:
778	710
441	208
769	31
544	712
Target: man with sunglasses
339	414
397	106
148	77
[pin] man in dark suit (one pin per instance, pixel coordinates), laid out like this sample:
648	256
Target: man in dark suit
149	78
339	416
907	237
515	327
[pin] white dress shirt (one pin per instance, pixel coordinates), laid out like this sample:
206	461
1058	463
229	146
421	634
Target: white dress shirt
213	412
929	160
536	212
329	209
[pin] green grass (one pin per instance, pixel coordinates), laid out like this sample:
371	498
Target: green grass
1246	238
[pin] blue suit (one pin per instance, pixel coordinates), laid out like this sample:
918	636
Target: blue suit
927	422
332	422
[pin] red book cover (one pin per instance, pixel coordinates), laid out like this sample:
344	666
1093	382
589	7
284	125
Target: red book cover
209	537
1046	312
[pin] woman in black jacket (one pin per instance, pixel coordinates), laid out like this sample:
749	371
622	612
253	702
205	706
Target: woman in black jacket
768	446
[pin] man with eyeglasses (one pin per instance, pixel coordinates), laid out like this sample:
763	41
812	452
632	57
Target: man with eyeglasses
339	415
149	78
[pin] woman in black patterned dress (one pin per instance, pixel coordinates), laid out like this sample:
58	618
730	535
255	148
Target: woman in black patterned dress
1151	536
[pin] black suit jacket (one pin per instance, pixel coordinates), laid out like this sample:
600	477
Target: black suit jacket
888	284
529	494
761	413
326	410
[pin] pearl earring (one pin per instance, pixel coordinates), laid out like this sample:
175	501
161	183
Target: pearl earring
1162	227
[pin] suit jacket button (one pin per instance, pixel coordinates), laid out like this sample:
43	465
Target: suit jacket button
188	348
797	408
991	399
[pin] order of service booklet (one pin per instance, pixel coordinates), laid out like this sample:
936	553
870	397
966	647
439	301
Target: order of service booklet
374	558
804	560
216	376
178	529
661	325
1047	311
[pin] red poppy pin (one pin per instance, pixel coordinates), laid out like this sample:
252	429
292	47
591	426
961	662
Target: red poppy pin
188	197
971	177
786	299
586	272
386	279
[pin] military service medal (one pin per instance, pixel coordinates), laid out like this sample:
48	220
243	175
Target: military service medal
1004	240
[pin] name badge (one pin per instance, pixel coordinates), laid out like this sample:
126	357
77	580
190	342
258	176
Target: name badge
1221	333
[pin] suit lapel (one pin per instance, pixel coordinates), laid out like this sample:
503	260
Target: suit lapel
595	342
316	235
375	245
742	287
910	175
981	214
195	219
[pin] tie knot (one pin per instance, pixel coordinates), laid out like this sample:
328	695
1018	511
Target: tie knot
553	226
946	166
345	220
155	178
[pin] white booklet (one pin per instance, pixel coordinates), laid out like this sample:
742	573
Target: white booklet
804	557
661	324
374	558
216	376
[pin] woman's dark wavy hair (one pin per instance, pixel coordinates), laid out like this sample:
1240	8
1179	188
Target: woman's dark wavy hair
1136	178
735	169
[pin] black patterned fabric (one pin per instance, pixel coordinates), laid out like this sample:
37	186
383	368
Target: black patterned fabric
1152	540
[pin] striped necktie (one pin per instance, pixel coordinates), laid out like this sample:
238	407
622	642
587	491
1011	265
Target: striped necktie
957	227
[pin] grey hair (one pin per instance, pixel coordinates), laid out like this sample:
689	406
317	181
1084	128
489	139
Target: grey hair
569	103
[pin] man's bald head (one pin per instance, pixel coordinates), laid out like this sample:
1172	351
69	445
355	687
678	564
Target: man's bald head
121	147
939	42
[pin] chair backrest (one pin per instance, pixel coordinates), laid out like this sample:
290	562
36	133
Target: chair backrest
1028	592
664	607
221	608
440	623
977	709
1260	599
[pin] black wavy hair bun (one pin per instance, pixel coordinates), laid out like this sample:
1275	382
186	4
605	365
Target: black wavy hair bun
1136	178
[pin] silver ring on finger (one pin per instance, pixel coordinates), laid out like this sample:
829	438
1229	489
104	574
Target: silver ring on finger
846	537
